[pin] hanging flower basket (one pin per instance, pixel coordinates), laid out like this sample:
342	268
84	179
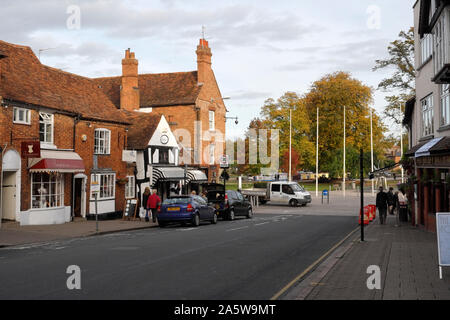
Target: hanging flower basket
121	181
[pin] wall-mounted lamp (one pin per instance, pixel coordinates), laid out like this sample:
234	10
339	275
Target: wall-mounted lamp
235	119
89	124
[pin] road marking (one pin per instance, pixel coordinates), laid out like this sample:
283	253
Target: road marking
260	224
237	228
315	263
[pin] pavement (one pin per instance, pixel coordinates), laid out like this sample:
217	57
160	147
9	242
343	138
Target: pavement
407	258
12	233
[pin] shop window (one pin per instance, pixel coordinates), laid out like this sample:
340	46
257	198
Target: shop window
102	141
107	185
21	116
130	192
47	190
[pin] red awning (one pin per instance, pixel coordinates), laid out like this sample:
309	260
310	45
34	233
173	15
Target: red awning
57	161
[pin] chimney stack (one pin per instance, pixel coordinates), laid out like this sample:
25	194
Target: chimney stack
129	93
203	61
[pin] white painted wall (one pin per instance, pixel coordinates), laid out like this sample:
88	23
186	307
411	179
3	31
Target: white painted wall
45	216
104	206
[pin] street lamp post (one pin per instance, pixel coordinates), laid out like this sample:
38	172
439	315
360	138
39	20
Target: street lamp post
343	179
371	149
317	154
290	144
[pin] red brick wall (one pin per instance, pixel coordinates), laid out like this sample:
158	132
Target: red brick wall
14	134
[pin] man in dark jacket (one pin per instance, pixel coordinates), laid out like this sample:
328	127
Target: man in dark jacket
382	205
390	196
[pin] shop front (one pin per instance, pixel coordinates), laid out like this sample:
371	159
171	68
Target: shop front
51	178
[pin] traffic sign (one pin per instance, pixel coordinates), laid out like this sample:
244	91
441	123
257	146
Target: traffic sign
224	163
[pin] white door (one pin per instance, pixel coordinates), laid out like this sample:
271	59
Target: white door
275	193
9	195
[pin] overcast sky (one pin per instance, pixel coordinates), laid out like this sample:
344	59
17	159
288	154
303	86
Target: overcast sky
261	49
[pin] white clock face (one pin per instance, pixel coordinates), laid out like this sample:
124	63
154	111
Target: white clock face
164	139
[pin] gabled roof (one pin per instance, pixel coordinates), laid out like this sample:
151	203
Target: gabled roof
24	79
157	90
143	126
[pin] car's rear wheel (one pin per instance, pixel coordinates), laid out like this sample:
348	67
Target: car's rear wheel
214	219
231	215
293	203
196	220
249	213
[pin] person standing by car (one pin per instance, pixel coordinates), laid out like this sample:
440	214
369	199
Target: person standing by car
153	202
390	196
382	205
144	202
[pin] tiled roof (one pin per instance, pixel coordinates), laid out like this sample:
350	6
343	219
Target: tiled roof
25	79
442	146
161	89
143	126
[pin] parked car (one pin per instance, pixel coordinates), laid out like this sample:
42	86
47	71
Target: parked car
229	204
184	209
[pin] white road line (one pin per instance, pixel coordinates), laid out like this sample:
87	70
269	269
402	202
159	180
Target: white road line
237	228
260	224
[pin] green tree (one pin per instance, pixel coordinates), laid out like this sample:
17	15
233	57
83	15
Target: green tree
330	94
401	60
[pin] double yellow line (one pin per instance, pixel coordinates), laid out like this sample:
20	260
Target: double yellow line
313	265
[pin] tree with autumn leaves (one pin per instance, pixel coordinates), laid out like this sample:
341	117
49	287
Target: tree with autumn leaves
329	94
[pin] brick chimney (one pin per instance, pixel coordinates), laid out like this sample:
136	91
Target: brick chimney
129	92
203	61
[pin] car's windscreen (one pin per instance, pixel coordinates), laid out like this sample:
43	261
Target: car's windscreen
177	201
297	188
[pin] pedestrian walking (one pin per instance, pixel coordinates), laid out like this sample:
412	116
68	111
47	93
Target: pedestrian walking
153	202
144	202
396	209
390	196
403	205
382	204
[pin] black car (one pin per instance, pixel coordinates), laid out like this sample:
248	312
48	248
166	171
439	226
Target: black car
228	204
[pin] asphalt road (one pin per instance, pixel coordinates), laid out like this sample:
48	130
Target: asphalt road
241	259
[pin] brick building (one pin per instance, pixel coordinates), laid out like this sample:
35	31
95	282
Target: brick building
190	101
71	120
427	115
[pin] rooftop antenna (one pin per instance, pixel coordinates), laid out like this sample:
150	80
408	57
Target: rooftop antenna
41	50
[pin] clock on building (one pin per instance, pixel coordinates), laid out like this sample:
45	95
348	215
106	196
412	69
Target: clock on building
164	139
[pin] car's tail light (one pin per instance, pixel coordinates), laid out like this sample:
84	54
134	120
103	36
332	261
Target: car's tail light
189	208
159	209
227	205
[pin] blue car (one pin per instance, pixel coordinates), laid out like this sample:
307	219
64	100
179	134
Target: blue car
184	209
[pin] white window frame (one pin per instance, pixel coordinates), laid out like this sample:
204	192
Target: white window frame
47	194
46	119
102	144
445	105
130	188
427	116
212	124
26	115
108	191
426	48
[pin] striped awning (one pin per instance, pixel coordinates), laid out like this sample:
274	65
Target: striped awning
196	176
167	174
56	161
